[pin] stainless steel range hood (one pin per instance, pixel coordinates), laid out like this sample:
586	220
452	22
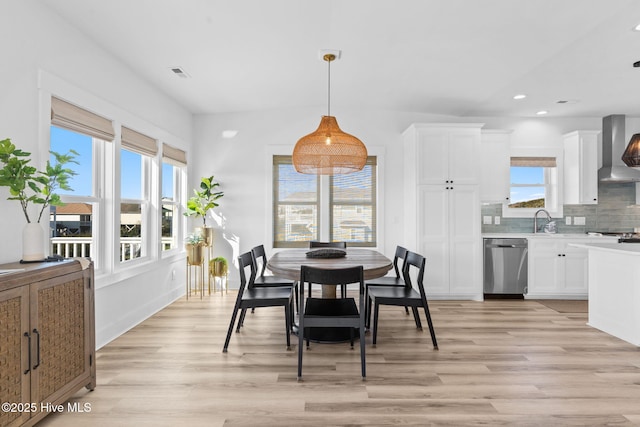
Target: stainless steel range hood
613	145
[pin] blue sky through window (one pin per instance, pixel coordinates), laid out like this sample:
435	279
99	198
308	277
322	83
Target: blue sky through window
62	140
527	175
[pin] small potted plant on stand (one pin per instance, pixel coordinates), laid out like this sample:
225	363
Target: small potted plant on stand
201	202
195	244
218	267
31	186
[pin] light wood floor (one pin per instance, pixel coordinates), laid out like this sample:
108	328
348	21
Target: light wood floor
500	363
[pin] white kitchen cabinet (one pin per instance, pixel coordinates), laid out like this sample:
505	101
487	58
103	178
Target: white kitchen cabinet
557	270
442	207
581	168
495	163
444	153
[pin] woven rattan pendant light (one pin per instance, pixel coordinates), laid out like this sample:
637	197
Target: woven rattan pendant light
329	150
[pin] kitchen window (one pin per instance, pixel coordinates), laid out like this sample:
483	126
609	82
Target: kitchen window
534	184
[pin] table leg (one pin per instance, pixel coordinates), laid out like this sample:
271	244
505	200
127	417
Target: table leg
329	291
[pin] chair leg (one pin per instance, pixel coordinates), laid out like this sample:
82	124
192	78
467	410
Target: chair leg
233	320
241	321
375	322
362	353
295	290
406	310
431	331
368	312
300	342
287	324
416	317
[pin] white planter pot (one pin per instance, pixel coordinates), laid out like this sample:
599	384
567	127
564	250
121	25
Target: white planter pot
33	242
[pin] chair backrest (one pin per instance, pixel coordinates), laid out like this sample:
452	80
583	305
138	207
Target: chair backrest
259	256
335	276
417	262
246	260
401	253
316	244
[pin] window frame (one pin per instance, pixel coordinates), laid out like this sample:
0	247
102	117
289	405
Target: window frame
373	151
105	162
553	184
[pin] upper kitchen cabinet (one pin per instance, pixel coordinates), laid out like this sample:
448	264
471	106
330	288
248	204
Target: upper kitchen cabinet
581	167
494	165
444	153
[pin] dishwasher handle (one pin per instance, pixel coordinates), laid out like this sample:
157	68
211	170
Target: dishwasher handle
493	245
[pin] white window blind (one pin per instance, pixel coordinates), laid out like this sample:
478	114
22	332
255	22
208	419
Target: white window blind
353	206
174	155
74	118
296	205
138	142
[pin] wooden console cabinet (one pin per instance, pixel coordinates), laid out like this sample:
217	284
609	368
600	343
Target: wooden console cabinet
47	337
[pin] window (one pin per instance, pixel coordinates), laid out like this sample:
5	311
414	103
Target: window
302	212
73	227
95	208
173	162
135	182
353	206
296	205
534	185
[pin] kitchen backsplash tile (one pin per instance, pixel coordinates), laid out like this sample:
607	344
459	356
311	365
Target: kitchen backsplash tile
616	211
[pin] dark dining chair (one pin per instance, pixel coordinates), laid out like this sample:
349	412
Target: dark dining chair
403	295
401	254
331	313
314	244
250	296
261	279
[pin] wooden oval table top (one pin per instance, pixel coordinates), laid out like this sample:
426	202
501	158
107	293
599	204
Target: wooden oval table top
286	263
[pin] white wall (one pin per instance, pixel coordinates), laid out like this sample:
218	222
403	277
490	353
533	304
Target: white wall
33	39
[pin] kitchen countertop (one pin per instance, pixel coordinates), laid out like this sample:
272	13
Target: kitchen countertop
623	248
544	236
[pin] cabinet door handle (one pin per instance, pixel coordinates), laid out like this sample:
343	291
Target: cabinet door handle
26	334
35	331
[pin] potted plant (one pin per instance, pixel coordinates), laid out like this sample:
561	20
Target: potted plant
31	186
218	267
201	202
195	244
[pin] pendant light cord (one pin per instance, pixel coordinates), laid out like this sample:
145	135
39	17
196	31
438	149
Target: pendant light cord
329	90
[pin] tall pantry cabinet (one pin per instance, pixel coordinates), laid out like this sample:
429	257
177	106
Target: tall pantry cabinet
442	211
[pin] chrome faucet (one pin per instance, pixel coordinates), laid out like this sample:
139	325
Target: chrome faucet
535	219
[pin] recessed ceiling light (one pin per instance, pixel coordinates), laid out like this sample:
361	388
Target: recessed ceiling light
229	133
520	96
636	28
542	112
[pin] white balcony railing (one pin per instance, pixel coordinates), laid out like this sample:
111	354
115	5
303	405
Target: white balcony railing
70	247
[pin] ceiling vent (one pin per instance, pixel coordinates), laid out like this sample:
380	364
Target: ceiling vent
179	71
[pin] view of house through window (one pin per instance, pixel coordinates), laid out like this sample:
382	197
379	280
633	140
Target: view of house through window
300	209
83	226
132	205
169	206
71	225
295	205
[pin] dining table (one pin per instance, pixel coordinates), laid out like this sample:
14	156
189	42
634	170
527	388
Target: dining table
287	263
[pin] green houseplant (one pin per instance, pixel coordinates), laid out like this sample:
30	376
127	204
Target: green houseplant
29	186
218	267
203	200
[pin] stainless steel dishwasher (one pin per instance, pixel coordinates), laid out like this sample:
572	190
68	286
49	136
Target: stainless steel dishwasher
505	267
